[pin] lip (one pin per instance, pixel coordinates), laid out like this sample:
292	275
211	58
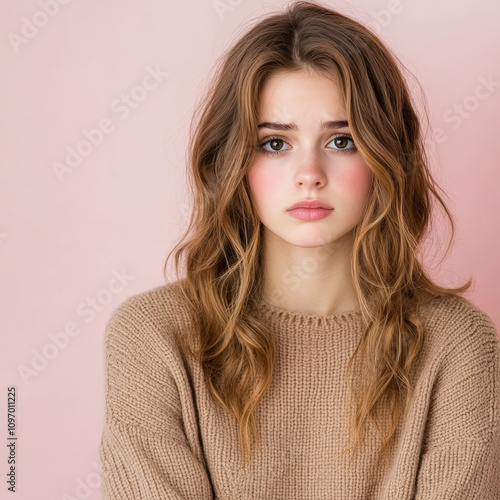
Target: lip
310	213
311	204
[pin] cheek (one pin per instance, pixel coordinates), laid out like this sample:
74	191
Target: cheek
355	182
263	184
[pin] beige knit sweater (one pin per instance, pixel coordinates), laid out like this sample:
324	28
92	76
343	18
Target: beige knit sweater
164	437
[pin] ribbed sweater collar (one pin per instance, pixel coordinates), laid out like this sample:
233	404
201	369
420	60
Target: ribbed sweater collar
311	328
305	319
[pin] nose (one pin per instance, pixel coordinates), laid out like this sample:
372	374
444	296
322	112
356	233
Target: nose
310	173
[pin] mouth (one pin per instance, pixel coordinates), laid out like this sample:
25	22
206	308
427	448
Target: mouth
308	208
313	204
310	213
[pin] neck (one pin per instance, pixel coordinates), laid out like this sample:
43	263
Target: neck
309	280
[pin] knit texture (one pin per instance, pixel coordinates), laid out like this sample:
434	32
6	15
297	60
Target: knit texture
164	437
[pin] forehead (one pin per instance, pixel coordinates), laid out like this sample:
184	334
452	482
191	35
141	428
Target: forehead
287	92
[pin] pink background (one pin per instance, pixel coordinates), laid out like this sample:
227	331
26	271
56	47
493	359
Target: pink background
119	211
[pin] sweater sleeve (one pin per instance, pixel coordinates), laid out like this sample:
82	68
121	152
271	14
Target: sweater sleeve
461	459
144	451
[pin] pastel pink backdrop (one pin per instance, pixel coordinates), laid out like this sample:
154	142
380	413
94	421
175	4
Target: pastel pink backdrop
74	245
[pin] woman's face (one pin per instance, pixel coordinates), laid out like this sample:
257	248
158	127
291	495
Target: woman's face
306	162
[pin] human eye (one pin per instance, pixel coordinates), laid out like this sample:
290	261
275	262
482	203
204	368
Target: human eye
342	141
272	141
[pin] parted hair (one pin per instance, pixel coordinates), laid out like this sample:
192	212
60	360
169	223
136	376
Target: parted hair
220	252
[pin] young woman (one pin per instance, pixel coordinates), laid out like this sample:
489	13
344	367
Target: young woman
305	353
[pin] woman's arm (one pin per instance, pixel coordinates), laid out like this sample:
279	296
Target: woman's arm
144	451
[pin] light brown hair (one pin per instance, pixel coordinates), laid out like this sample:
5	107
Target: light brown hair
222	246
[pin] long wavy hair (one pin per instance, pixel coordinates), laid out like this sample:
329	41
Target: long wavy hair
221	248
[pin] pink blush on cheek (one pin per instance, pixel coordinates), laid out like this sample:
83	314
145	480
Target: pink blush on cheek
263	183
355	180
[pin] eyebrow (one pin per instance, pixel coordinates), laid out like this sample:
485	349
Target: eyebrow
335	124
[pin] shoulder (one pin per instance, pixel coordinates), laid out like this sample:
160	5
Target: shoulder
144	369
460	374
454	321
463	349
457	309
153	302
461	343
149	318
